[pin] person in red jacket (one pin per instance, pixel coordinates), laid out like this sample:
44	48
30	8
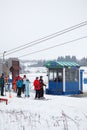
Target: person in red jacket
37	87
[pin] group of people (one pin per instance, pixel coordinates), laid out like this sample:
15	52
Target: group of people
23	85
39	87
5	84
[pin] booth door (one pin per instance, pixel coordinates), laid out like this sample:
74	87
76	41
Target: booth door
56	81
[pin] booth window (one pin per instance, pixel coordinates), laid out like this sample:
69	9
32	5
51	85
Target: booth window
55	75
72	75
60	77
52	75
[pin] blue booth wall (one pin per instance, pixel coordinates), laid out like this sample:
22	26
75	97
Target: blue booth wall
55	88
85	80
72	88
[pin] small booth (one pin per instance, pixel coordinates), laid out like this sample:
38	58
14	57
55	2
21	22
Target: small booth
63	78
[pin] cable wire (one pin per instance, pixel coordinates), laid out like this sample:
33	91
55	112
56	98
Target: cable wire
38	41
61	44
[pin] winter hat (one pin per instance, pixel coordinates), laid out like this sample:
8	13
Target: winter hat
41	77
27	79
24	76
36	77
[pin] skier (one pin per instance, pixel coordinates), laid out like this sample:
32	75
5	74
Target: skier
19	85
9	83
24	83
27	86
41	86
37	88
2	82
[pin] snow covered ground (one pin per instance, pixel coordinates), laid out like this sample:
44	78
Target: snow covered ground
54	113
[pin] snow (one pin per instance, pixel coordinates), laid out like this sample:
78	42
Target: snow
54	113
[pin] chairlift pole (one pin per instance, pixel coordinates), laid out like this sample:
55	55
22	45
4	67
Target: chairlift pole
3	61
4	70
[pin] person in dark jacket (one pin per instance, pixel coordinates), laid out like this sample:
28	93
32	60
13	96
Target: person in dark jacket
2	82
41	86
24	83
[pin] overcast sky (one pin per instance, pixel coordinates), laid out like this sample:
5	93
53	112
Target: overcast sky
23	21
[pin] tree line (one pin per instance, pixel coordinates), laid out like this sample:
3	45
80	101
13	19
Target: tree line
40	63
81	62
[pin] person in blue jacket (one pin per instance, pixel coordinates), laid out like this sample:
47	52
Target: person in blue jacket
19	87
9	83
27	86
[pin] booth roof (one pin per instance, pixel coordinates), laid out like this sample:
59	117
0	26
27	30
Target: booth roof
60	64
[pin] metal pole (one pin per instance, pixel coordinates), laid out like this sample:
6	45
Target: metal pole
3	60
4	70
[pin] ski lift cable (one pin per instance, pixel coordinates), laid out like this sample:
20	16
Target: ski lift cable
57	45
38	41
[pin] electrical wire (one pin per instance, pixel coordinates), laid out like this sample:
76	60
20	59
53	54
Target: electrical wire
61	44
38	41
